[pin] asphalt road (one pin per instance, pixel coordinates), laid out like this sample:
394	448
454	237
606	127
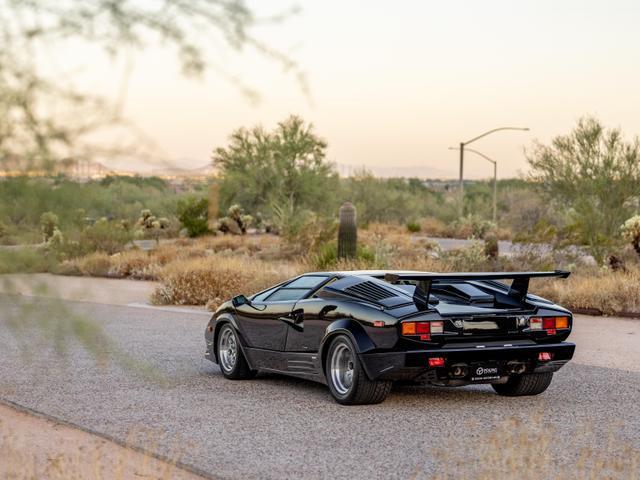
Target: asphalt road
276	427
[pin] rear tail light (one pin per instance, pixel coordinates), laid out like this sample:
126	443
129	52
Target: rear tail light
422	329
535	323
544	356
409	328
437	327
436	362
550	324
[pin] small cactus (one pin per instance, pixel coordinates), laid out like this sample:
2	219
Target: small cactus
631	232
347	231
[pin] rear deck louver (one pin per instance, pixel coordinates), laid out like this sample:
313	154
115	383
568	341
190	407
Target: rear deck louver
369	291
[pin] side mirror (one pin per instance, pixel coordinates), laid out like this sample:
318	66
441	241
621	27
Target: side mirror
240	300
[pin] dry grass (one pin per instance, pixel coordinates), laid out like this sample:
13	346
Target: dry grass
526	450
95	264
34	448
612	293
208	269
217	278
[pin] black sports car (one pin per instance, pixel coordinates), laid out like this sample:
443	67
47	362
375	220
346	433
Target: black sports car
357	332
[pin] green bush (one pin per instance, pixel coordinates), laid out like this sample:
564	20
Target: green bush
193	215
24	260
48	224
327	256
413	227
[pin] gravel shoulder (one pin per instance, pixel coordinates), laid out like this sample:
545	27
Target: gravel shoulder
32	446
278	427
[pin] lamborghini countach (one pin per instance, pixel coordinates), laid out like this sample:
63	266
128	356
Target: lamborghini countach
359	331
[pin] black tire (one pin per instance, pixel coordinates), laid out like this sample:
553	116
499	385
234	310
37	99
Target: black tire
238	368
360	390
527	384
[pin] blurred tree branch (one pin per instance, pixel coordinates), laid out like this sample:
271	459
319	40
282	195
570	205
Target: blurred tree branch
45	120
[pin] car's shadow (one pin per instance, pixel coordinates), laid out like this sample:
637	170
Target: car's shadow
404	390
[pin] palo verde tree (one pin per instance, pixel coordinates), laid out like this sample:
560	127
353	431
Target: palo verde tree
262	170
594	174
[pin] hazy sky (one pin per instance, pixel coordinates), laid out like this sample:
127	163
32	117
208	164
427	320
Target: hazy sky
393	84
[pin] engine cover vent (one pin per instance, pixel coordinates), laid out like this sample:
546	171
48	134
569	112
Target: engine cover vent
370	291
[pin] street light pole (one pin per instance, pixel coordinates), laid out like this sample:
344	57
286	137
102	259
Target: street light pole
495	180
461	179
463	144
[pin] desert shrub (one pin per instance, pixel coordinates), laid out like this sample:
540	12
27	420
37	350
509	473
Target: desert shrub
193	215
491	245
435	227
592	174
105	236
469	259
609	292
473	227
68	267
327	258
631	232
48	224
200	281
413	227
134	264
96	264
24	260
236	222
149	226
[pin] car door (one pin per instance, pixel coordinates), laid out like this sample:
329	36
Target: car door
261	326
311	315
317	314
265	323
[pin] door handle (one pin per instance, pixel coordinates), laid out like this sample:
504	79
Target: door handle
294	319
298	316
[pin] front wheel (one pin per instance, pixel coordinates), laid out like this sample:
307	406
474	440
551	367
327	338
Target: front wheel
347	379
527	384
230	357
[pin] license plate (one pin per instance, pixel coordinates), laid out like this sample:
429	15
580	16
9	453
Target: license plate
485	371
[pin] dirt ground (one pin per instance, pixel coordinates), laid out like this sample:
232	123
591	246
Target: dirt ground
32	447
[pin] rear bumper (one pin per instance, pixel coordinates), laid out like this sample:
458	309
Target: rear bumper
414	364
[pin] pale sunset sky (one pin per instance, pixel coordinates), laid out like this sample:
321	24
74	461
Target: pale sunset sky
393	84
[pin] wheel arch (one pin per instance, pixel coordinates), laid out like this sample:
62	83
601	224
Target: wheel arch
351	328
224	319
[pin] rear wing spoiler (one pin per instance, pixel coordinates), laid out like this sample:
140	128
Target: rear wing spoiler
518	289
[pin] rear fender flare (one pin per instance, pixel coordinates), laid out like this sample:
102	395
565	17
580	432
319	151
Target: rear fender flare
353	330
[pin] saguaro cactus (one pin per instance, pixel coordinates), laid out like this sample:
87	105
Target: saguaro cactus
347	231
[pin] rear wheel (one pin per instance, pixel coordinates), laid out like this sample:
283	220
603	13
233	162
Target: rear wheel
232	362
527	384
347	379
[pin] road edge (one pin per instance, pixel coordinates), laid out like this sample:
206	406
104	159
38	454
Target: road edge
59	421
